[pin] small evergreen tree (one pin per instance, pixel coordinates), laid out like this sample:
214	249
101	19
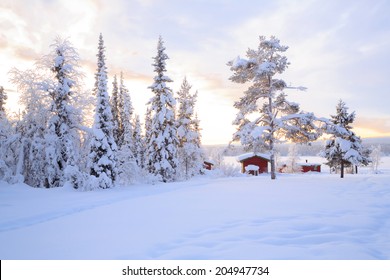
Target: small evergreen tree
103	148
3	99
198	136
344	148
114	101
139	143
162	141
127	166
5	170
190	154
125	115
265	115
148	125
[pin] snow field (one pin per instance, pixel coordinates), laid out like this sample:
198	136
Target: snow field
300	216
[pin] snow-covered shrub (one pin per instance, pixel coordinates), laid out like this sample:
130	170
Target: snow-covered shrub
292	165
375	156
224	170
128	172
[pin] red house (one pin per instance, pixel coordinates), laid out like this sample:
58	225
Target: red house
307	167
254	159
208	164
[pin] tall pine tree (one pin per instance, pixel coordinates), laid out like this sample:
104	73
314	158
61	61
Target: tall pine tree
265	115
102	163
162	143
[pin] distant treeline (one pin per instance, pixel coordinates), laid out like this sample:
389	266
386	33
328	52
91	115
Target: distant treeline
304	150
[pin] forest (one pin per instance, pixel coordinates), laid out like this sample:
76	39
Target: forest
66	135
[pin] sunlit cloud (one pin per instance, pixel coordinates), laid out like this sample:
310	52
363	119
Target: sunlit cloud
26	54
373	126
3	42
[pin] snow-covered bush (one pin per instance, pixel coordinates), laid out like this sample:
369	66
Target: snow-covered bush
224	170
375	156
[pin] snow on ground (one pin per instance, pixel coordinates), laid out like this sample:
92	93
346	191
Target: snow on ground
297	216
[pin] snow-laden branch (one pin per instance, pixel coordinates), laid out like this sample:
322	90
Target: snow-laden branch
300	88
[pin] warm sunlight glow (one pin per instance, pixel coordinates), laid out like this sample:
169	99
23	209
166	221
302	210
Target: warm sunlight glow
365	132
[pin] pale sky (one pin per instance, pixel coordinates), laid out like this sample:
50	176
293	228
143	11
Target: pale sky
337	49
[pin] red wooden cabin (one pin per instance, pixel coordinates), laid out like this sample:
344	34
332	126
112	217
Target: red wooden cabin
314	167
305	167
257	159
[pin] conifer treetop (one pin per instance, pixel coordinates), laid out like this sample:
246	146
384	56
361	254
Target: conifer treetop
160	64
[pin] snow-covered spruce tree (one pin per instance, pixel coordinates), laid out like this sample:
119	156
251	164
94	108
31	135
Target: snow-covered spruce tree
102	158
198	136
114	101
264	114
139	143
364	159
199	153
344	148
62	138
124	114
5	135
127	166
148	124
189	152
162	143
3	99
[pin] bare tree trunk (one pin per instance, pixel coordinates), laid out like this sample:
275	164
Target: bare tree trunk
186	162
272	148
271	143
342	170
273	175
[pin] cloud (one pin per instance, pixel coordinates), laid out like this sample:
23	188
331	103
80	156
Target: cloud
378	125
24	53
337	51
3	42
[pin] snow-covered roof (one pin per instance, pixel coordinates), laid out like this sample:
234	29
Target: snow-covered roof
308	164
209	161
249	155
